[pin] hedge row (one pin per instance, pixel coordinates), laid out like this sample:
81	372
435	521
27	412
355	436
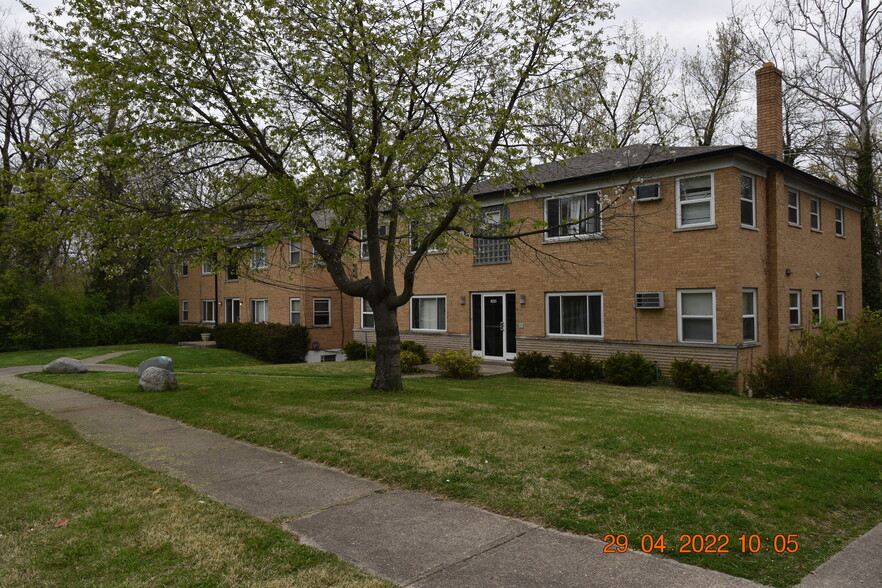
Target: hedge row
270	342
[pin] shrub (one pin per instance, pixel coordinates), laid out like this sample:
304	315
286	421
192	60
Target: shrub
419	350
270	342
458	364
698	377
792	377
409	362
355	350
570	366
532	364
177	333
629	369
371	352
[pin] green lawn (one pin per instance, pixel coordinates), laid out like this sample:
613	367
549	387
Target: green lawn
585	458
185	357
44	356
121	531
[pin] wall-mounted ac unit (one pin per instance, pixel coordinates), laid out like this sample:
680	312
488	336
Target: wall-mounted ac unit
648	300
647	192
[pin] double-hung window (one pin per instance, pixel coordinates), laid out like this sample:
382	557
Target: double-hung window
697	311
232	273
573	216
840	306
793	207
816	307
795	313
695	201
259	310
294	252
185	269
208	311
185	310
748	315
382	230
575	314
296	317
367	315
258	257
416	237
748	202
428	313
321	312
815	214
233	310
839	215
208	264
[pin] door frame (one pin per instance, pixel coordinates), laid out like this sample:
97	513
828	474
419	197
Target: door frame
507	354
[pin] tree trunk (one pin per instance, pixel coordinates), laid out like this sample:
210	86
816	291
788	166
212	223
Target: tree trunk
871	276
387	374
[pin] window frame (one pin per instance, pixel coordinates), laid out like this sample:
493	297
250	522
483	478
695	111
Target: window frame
815	214
228	308
792	308
185	269
259	258
839	220
817	310
208	265
658	192
751	200
316	312
414	302
791	206
366	310
595	218
295	247
752	292
208	304
253	305
587	295
491	251
185	310
291	311
681	316
232	273
840	306
711	199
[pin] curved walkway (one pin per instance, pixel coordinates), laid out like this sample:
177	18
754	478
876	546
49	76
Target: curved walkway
409	538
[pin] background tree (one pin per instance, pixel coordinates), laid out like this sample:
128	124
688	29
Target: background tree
326	120
830	52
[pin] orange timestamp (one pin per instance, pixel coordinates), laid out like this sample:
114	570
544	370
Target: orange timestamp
710	543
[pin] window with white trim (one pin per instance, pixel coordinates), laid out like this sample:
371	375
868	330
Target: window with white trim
321	312
815	214
695	201
748	201
577	314
208	311
294	252
428	313
185	310
232	273
383	231
816	307
795	313
839	216
294	307
259	310
748	315
840	306
492	250
185	269
233	310
697	316
258	257
793	207
416	237
572	216
209	264
367	315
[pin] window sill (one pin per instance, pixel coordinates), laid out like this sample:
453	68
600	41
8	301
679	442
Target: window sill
694	228
412	330
746	344
819	231
508	262
750	228
698	342
573	238
320	327
796	327
229	281
794	225
573	336
840	236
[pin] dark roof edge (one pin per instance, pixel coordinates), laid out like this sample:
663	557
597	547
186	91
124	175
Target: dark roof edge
732	149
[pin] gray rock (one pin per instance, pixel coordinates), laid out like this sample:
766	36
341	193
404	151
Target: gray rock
65	365
160	361
156	379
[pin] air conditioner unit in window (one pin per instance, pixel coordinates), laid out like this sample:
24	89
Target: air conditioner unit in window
647	192
649	300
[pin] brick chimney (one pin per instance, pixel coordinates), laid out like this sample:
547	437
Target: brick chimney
769	117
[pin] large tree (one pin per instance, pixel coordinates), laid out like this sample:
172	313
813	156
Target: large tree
327	120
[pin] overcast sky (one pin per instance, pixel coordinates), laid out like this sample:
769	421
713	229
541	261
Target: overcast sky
684	23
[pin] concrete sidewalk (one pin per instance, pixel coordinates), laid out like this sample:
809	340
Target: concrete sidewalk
409	538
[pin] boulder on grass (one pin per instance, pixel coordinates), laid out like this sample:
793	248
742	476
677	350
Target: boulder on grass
160	361
156	379
65	365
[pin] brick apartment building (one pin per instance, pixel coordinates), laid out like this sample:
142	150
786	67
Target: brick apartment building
279	284
721	254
